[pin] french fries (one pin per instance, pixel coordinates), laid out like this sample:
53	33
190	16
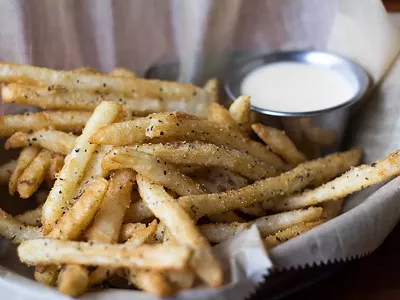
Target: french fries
60	197
280	143
216	233
240	112
130	229
26	156
16	231
31	217
153	168
350	182
73	280
122	72
50	251
137	211
53	140
182	229
56	164
221	116
209	155
70	121
34	174
6	171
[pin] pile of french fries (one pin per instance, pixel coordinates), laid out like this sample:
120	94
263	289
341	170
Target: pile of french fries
126	186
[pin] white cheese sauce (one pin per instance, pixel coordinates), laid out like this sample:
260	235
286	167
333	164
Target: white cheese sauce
296	87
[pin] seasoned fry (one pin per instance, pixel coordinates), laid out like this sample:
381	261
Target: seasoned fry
153	168
73	280
130	229
50	251
47	274
183	230
240	112
34	174
289	233
208	155
350	182
56	164
71	225
60	120
227	217
60	197
25	158
218	180
280	143
71	99
31	217
122	72
168	127
137	211
221	116
151	281
15	230
320	136
53	140
6	171
212	204
107	223
216	233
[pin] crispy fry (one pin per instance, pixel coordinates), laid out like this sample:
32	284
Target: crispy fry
6	171
218	180
212	204
153	168
151	281
47	274
228	217
280	143
34	174
183	230
15	230
168	127
320	136
129	229
137	211
289	233
217	233
75	163
73	280
221	116
122	72
107	223
240	112
31	217
211	86
60	120
350	182
53	140
50	251
56	164
209	155
24	160
71	225
71	99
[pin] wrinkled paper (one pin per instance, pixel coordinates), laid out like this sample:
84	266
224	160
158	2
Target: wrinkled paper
106	33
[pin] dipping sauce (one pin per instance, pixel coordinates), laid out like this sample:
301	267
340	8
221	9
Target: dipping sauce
296	87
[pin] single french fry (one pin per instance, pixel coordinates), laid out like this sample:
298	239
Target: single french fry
153	168
31	217
50	251
280	143
183	230
86	70
208	155
73	280
183	280
352	181
76	99
130	229
25	158
34	174
218	180
68	121
151	281
53	140
72	224
107	223
6	171
228	217
212	204
47	274
240	112
211	86
169	127
219	115
16	231
216	233
289	233
320	136
56	164
137	211
74	166
122	72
